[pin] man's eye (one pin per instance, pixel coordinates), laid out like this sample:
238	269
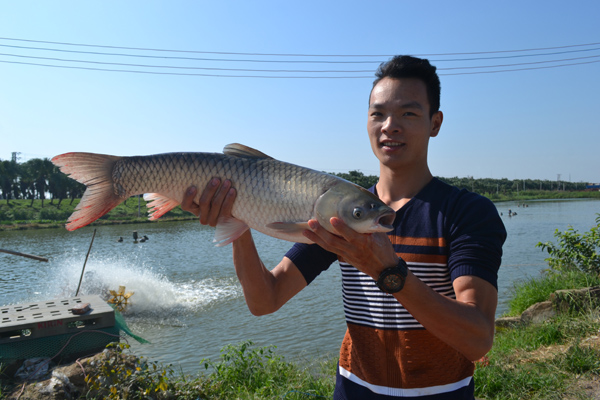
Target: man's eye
376	114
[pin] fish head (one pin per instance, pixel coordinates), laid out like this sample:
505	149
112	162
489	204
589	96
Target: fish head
357	207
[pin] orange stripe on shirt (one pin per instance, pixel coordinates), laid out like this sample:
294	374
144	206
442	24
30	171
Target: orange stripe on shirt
415	241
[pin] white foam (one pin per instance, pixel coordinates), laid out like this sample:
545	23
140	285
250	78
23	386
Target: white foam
154	293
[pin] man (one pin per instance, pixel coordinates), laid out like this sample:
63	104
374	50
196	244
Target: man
420	301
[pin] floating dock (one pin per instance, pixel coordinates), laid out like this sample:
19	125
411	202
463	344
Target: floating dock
54	329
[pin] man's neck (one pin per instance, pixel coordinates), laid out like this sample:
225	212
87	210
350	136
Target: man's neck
397	187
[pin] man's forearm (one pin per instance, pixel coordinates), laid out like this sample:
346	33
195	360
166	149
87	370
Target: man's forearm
265	291
257	282
467	323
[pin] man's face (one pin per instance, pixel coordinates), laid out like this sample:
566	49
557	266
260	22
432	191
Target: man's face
399	125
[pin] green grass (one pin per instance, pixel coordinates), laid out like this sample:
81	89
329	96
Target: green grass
541	361
541	195
526	293
242	372
21	214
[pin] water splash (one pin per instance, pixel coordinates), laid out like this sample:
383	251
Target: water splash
155	295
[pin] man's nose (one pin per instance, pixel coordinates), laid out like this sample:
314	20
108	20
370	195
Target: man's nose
390	124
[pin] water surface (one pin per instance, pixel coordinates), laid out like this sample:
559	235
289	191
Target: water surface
188	302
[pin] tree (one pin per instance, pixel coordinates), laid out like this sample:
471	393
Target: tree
359	178
8	179
58	185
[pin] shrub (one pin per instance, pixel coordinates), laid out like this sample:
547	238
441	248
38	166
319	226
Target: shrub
53	214
575	250
23	214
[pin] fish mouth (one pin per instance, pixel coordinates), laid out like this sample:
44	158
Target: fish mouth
386	220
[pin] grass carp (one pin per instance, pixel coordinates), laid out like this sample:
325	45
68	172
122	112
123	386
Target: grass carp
273	197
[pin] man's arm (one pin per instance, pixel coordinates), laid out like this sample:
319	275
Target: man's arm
265	291
467	323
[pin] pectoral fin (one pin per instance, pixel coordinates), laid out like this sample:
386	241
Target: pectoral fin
158	205
228	230
289	227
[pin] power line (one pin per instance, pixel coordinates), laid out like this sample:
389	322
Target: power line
278	70
296	55
284	61
188	58
184	74
521	69
181	67
274	73
286	77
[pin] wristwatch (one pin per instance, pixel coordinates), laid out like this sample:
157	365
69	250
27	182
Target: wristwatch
391	280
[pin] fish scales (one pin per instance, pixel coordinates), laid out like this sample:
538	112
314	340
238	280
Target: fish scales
265	186
273	197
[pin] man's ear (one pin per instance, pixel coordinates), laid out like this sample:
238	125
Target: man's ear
436	123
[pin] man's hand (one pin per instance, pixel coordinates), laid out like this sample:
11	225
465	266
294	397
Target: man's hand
369	253
216	201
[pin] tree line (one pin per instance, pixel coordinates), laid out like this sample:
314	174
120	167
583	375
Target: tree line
38	178
486	186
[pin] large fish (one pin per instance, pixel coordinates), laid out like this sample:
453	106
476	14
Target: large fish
273	197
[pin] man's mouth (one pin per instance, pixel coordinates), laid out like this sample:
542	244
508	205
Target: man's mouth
392	144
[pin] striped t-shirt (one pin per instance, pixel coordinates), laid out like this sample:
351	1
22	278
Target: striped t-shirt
442	233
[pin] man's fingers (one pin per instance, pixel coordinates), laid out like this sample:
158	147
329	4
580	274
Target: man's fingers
324	238
206	201
187	204
215	201
230	196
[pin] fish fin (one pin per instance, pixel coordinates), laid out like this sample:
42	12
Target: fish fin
228	230
94	171
239	150
289	227
159	204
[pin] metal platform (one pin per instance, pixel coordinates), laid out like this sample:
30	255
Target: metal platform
49	329
54	317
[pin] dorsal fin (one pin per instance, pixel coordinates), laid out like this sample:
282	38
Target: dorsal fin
239	150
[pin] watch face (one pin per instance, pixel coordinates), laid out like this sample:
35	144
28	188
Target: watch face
391	282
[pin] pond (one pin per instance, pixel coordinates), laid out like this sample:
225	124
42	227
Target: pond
188	302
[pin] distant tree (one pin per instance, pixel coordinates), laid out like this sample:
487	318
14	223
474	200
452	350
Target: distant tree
8	180
75	189
359	178
58	185
28	179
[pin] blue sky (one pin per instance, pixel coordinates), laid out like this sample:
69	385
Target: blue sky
532	124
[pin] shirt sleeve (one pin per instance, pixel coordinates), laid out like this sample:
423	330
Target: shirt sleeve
476	238
310	259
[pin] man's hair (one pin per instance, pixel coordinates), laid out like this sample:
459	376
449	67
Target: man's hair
412	67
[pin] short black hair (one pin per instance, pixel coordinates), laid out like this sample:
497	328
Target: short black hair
412	67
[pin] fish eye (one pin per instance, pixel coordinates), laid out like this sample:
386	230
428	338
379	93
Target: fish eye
357	213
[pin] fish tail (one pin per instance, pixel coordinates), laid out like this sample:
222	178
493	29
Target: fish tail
94	171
